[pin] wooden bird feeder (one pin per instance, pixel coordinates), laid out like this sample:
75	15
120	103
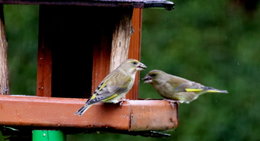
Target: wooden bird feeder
80	42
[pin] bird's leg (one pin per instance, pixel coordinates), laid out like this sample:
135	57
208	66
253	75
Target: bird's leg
121	103
171	100
122	100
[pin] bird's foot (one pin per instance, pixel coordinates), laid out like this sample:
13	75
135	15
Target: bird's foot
121	102
171	100
5	91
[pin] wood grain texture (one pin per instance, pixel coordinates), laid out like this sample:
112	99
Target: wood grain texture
4	79
121	39
133	115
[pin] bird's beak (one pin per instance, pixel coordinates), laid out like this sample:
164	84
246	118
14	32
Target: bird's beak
147	79
141	66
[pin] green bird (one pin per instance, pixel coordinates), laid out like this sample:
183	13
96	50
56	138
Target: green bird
115	85
176	88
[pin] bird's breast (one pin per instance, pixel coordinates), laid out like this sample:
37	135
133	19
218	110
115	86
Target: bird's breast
165	90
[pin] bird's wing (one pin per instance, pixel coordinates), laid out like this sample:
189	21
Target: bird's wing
183	85
113	85
195	87
179	84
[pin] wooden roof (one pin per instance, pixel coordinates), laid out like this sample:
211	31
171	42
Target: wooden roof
100	3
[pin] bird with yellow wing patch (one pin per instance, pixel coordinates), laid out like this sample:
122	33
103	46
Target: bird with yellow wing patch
115	85
177	88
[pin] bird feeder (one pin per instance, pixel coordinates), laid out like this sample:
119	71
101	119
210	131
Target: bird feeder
80	42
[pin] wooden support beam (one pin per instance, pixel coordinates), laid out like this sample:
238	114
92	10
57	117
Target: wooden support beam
4	80
121	39
135	48
135	42
133	115
44	68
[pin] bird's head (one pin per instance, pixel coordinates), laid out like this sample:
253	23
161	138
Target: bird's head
153	76
132	65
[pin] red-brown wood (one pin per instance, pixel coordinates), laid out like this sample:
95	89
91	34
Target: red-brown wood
44	67
135	48
153	115
133	115
101	62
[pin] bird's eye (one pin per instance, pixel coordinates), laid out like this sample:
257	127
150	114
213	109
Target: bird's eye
153	75
135	63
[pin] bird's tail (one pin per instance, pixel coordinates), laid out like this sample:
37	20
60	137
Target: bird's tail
213	90
83	109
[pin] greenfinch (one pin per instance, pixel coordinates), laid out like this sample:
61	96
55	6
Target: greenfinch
115	85
176	88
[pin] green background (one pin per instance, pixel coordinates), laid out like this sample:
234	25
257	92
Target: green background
216	43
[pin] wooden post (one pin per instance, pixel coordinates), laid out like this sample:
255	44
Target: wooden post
4	80
135	48
121	39
44	72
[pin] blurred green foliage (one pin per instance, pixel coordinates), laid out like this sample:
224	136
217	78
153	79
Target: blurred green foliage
216	43
22	34
1	137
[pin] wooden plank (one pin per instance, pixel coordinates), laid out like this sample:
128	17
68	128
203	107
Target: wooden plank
135	48
44	66
143	115
4	80
133	115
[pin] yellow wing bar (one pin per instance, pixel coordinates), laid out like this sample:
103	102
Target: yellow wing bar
193	90
111	97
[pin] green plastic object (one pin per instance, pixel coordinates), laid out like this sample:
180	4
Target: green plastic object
48	135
